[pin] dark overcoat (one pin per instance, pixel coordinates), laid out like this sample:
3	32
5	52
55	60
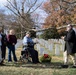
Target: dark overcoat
70	42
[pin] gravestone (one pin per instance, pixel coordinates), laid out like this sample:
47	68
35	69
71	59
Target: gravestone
57	50
19	43
41	51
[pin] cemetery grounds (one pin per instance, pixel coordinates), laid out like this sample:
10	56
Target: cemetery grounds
52	68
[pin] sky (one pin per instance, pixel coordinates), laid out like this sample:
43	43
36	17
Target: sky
4	2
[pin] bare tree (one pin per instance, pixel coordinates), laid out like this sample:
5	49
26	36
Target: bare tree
3	24
23	9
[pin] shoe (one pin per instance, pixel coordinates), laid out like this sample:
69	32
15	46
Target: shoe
64	66
38	62
74	66
1	63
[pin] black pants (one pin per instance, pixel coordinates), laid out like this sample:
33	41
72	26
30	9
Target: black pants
34	55
3	49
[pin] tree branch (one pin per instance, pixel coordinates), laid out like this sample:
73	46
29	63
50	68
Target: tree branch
69	2
36	8
32	6
19	14
12	11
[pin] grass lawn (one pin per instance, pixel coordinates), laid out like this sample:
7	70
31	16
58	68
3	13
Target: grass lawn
53	68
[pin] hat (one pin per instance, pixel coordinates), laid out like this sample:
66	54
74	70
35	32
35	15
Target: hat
28	32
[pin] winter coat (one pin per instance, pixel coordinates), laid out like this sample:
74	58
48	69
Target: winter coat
70	42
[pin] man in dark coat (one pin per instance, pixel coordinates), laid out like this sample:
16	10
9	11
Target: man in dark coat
70	48
3	47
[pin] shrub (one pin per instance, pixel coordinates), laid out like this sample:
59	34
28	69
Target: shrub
50	33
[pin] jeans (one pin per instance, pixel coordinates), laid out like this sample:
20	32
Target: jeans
11	48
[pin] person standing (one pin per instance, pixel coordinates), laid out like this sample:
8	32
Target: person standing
11	41
3	47
70	46
1	61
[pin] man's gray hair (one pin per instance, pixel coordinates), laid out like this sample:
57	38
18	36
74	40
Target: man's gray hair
69	25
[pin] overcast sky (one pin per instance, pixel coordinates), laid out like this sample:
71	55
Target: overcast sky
4	2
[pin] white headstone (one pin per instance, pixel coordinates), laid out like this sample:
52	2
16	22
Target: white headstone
51	46
38	46
57	51
41	52
19	43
